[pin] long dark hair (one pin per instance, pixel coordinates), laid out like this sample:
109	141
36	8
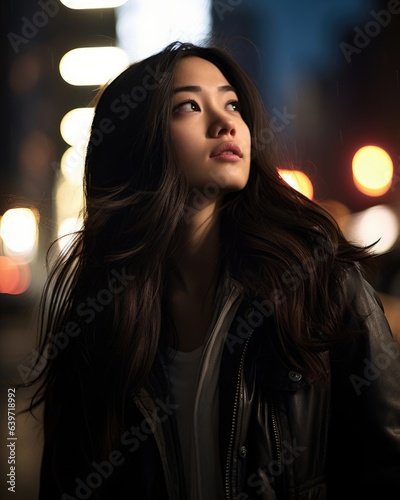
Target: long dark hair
104	298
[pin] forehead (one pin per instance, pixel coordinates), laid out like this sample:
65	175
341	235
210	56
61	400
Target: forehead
197	71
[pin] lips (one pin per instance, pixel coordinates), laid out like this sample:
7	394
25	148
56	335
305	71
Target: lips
228	149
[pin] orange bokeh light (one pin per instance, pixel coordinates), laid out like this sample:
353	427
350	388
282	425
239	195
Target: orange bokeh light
15	276
298	180
372	170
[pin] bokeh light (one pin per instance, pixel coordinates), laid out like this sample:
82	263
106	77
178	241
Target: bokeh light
378	222
69	199
92	4
15	276
92	65
67	231
73	165
75	125
143	27
19	231
372	170
299	181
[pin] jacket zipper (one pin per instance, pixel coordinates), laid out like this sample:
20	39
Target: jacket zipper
280	484
276	435
235	411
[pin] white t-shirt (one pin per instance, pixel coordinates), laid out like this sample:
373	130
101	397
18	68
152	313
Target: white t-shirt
182	370
193	378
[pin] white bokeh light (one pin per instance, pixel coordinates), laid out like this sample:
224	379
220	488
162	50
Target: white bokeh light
144	27
378	222
69	199
73	165
93	65
19	231
67	232
92	4
75	125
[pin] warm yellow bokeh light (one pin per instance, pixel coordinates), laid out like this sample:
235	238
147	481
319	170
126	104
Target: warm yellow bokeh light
69	199
19	231
372	170
67	231
75	126
92	4
299	181
93	65
73	165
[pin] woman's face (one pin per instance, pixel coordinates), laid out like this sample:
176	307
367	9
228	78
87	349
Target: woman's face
211	140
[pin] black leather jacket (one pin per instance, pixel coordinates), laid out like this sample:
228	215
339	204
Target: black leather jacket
281	436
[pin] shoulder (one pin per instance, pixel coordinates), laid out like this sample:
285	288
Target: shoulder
362	298
364	315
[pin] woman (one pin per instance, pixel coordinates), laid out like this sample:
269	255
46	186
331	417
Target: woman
211	331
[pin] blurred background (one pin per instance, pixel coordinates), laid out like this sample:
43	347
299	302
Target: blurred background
329	75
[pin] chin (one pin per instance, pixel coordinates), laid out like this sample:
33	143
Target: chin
228	180
231	188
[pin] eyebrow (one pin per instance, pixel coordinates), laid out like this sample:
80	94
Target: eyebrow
197	88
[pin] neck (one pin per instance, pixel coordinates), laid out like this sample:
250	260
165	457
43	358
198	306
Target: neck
196	260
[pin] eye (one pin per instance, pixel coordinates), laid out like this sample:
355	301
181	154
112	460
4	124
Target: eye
187	106
234	106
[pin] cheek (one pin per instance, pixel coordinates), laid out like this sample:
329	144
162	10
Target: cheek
247	135
179	141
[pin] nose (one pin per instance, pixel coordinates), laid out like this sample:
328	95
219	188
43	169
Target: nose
222	124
